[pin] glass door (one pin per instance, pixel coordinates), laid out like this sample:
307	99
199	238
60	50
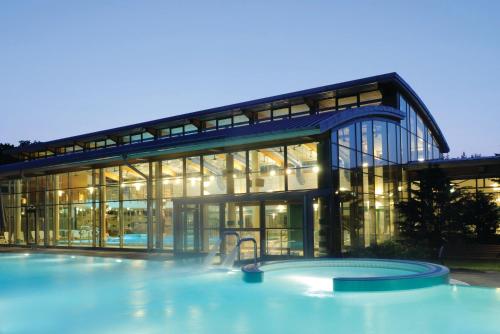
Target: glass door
188	229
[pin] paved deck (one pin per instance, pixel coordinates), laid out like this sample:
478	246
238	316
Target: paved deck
478	278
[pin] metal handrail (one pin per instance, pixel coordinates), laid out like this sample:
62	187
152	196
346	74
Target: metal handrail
242	240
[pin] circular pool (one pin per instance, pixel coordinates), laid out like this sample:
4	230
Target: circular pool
366	274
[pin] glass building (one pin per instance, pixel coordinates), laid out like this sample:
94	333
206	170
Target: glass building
309	173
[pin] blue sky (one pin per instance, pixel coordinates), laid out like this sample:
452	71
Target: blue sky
70	67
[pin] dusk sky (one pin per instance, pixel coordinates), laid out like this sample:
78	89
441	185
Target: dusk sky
71	67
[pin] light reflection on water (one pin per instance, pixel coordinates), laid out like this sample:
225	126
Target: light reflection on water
50	294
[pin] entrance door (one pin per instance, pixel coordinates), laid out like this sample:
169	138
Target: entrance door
187	235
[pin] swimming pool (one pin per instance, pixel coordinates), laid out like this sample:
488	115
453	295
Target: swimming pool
78	294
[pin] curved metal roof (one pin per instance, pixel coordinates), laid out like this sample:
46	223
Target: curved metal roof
204	114
251	134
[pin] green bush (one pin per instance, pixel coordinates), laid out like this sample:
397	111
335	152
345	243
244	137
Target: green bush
394	249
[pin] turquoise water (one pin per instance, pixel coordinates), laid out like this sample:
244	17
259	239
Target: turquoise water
65	294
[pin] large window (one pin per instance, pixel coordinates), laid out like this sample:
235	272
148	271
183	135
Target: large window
267	169
302	170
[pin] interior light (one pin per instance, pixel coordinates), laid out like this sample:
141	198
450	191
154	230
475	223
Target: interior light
452	190
165	181
288	171
281	208
137	186
272	172
90	190
400	188
316	206
378	205
235	176
177	181
60	192
206	183
315	169
365	164
211	178
421	159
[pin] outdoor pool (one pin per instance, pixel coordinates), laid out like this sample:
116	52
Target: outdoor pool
80	294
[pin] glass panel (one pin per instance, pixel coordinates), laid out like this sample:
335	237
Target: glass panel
327	104
280	113
404	146
236	169
266	169
299	108
177	131
135	221
420	127
190	128
193	176
264	115
284	229
392	142
172	178
420	149
240	120
380	140
211	125
168	224
302	171
211	226
214	174
224	123
413	120
349	100
111	225
370	96
82	232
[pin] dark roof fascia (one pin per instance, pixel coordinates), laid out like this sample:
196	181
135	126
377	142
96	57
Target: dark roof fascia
449	163
295	124
242	105
322	122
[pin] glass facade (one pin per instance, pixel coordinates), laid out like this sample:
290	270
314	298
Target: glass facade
311	195
111	207
417	141
366	160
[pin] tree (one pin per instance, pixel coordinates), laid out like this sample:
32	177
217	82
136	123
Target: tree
429	216
4	157
7	158
479	216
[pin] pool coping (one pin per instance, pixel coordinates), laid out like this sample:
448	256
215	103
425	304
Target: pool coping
433	275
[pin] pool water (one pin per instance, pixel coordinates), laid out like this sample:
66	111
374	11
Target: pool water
79	294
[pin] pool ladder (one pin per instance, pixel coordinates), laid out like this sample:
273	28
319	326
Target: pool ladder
251	272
